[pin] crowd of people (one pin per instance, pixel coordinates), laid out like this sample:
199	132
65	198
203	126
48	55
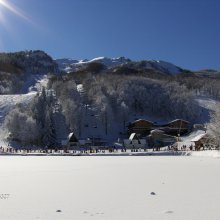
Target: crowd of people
91	150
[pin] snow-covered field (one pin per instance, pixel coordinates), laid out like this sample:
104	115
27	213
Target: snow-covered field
109	188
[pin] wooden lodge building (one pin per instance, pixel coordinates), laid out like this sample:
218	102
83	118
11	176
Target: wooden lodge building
140	127
143	127
175	127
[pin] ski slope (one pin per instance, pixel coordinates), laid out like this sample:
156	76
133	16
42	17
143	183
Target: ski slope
7	103
207	103
32	85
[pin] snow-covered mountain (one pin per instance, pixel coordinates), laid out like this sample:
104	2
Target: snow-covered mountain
72	65
163	66
131	90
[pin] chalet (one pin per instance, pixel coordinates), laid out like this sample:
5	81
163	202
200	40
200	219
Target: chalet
175	127
199	141
158	138
72	140
140	127
135	142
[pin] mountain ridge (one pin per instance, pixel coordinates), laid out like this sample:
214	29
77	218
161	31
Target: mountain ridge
35	61
72	65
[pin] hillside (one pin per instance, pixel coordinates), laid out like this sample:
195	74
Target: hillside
17	69
97	98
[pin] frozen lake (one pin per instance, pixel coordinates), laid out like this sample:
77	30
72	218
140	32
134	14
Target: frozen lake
109	188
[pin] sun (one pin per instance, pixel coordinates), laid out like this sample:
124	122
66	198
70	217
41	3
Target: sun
1	6
6	5
2	17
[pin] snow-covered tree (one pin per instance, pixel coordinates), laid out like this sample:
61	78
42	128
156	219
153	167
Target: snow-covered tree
214	126
23	127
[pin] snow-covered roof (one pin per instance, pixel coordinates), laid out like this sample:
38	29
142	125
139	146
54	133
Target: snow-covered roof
156	131
133	136
178	120
72	137
138	120
198	137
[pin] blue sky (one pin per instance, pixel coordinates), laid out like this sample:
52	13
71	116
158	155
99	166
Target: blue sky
184	32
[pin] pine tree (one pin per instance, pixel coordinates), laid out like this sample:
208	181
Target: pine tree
49	137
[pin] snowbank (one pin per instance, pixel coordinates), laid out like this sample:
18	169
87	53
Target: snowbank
211	153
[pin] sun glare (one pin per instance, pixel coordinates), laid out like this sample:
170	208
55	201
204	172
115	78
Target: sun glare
6	10
5	4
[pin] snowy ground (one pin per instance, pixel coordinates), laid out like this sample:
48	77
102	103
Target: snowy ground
207	103
109	188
